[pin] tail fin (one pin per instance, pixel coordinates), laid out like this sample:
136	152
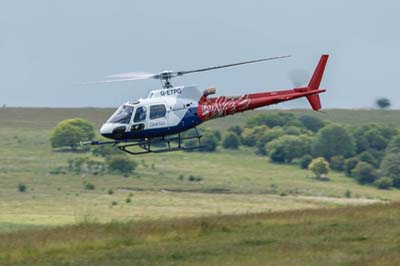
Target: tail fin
314	83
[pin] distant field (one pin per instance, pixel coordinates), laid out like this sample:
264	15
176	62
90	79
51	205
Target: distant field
355	236
233	182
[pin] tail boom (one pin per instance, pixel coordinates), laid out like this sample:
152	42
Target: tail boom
210	108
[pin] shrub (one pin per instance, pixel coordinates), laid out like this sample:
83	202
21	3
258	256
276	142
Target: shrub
231	141
350	164
394	145
209	142
287	148
110	191
364	173
121	165
337	163
391	167
70	132
128	200
367	157
312	123
305	161
373	136
250	136
236	129
89	186
384	182
333	140
21	187
347	194
319	166
268	136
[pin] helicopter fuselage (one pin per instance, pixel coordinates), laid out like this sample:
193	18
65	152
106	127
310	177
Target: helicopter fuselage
172	110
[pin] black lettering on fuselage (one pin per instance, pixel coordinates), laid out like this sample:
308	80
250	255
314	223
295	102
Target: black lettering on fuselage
170	92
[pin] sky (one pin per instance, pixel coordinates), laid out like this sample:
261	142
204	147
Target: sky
48	48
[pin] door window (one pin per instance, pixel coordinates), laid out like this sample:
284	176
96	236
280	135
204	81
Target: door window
140	114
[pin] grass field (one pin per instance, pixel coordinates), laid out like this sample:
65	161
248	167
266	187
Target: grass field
368	235
235	185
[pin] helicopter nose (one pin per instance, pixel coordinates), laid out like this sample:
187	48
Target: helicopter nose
106	130
112	131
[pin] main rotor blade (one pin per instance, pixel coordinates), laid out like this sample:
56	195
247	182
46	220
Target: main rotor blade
122	77
133	75
180	73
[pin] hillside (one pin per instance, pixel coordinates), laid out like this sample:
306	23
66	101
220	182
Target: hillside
232	182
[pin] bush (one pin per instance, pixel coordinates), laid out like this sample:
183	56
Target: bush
394	145
268	136
390	167
305	161
21	187
350	164
89	186
333	140
236	129
319	166
312	123
337	163
384	182
70	132
367	157
373	137
287	148
209	142
120	165
250	136
231	141
364	173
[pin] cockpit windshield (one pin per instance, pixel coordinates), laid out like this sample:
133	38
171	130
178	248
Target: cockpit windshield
122	115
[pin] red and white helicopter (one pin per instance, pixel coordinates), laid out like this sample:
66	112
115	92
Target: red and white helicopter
171	110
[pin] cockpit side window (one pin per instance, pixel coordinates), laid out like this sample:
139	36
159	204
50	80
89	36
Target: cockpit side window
157	111
140	114
122	115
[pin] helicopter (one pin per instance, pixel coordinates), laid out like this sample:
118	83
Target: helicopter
158	122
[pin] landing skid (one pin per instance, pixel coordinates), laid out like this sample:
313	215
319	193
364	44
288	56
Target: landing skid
150	145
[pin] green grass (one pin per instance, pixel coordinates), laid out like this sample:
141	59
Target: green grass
233	181
367	235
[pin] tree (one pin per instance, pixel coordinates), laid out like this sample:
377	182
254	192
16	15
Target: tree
394	145
312	123
384	182
373	136
209	141
319	166
305	161
250	136
286	148
231	141
268	136
118	164
383	103
337	163
70	132
350	164
364	173
333	140
236	129
390	167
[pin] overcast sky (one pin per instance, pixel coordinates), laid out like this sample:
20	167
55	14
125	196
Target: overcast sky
48	47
